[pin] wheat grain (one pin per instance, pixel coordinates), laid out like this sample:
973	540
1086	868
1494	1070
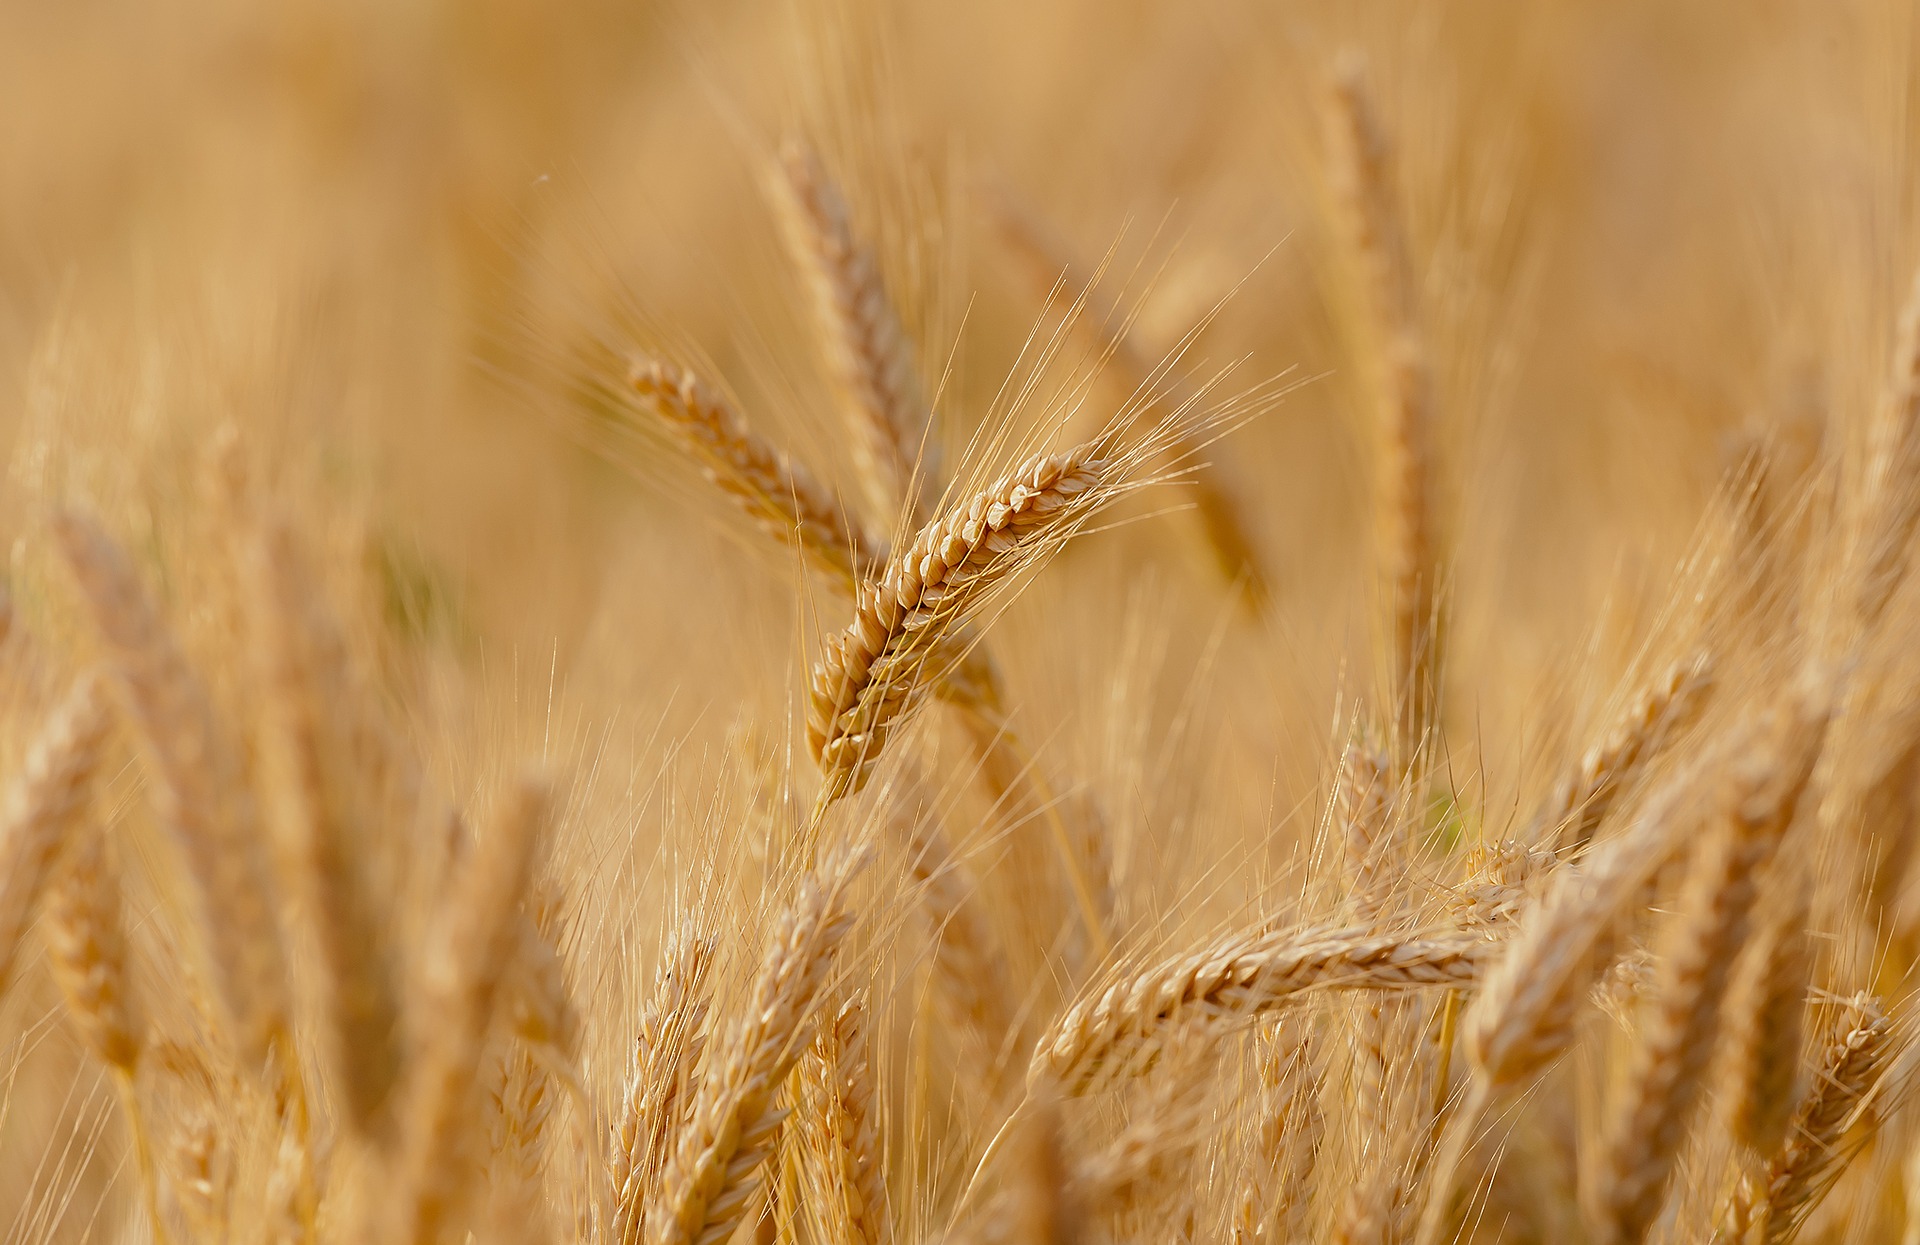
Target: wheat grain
661	1080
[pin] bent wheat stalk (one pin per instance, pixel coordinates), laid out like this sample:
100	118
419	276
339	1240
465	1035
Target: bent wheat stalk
872	674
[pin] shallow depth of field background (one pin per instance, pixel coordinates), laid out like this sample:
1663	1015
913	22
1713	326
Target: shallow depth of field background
360	233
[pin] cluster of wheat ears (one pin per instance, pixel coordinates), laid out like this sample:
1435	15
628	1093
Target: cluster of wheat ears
327	995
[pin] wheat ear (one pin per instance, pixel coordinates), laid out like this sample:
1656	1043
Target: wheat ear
329	808
43	802
672	1035
462	986
1362	177
1769	1208
1273	1205
776	492
197	790
842	1131
870	675
715	1165
1677	1039
1117	1030
871	356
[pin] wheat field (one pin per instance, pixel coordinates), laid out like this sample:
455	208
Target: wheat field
844	622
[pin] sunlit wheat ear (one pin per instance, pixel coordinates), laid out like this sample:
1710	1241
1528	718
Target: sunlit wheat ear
716	1158
463	981
331	802
661	1083
874	672
776	492
1584	798
1765	1008
1768	1208
870	355
1891	504
43	801
87	951
196	788
1223	522
1361	172
1117	1030
840	1128
538	1001
1678	1036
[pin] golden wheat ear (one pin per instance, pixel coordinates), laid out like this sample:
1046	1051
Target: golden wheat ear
197	790
1117	1031
870	356
1361	172
661	1081
716	1159
872	675
778	493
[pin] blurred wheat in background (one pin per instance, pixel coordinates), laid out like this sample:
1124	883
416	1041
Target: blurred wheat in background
859	623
